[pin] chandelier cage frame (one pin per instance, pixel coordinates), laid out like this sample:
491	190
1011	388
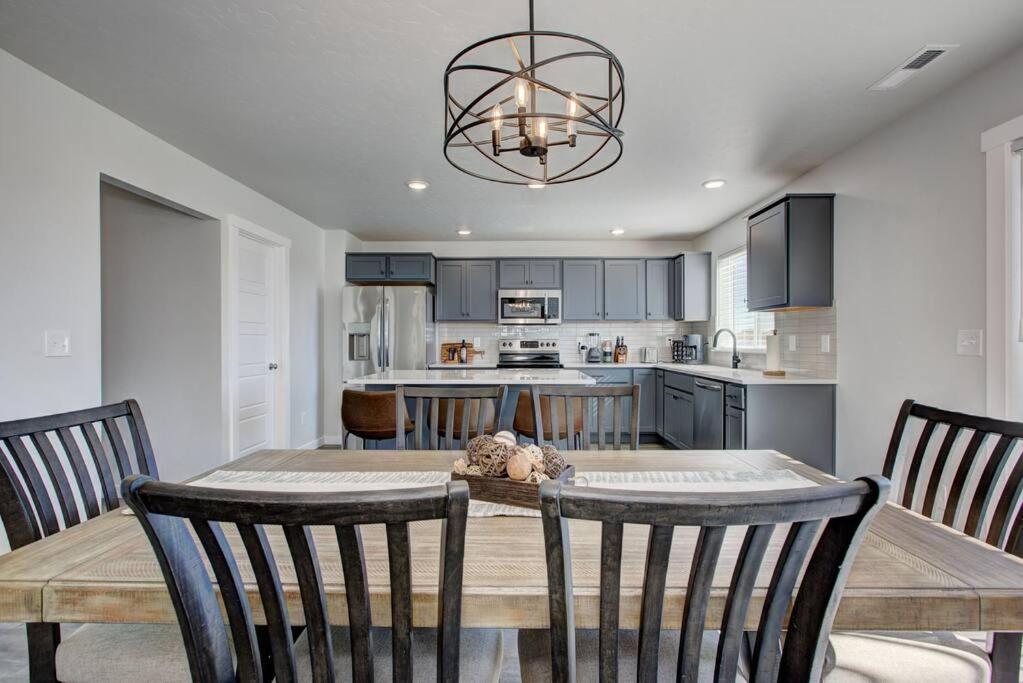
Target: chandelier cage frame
596	115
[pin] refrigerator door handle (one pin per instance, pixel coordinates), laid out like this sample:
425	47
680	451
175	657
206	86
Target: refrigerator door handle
386	338
380	339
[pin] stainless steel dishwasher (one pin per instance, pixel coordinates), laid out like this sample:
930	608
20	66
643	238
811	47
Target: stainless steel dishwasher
708	414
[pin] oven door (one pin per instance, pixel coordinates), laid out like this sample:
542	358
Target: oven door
521	307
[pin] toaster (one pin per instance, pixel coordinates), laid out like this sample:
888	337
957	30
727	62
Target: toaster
648	354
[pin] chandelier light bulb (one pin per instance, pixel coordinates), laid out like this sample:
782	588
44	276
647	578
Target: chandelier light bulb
571	109
520	93
497	114
541	128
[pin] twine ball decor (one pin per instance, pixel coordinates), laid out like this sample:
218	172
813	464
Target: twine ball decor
489	455
553	462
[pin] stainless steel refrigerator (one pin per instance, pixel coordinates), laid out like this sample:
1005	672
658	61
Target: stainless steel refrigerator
386	328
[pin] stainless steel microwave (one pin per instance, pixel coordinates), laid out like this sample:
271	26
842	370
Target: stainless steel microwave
529	306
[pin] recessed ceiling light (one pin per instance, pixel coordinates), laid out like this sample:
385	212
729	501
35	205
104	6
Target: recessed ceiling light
536	186
713	183
464	231
617	232
417	185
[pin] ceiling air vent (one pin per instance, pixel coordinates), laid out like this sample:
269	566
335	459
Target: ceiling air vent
912	66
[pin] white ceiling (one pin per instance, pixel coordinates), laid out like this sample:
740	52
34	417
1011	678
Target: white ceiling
329	107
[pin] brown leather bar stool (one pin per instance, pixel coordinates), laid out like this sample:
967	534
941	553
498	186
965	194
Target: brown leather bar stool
523	422
369	415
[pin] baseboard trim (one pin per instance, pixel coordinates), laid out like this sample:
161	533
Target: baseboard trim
330	440
312	445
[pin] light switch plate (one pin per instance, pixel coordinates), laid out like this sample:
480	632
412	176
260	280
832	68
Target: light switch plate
56	343
825	343
970	342
792	342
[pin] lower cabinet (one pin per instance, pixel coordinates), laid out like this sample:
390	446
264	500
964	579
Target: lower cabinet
647	381
678	418
659	400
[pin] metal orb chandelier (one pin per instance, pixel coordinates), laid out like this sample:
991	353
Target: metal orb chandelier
549	121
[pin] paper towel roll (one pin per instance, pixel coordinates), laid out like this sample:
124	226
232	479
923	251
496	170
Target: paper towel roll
773	360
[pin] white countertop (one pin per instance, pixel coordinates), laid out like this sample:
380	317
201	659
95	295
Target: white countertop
474	376
739	376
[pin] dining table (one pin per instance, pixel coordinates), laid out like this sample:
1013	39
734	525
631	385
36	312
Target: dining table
911	573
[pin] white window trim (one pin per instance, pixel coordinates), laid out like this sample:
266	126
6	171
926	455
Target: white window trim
1003	348
725	346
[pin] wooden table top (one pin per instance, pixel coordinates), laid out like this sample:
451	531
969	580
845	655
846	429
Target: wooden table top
911	573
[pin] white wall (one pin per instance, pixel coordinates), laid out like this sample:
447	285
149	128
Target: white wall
469	248
161	326
909	258
54	144
337	243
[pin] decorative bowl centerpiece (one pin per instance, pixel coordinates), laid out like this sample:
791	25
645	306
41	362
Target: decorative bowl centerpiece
499	470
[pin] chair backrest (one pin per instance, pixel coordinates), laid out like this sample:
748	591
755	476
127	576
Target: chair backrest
593	401
970	472
70	454
433	396
843	510
162	509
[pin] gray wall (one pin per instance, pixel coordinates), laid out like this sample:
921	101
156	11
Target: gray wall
909	258
161	326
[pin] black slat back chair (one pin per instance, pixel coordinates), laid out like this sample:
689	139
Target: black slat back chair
80	456
454	436
593	402
163	509
971	474
838	513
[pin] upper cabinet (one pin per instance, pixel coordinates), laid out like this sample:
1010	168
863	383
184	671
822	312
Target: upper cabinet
466	290
582	297
690	286
530	274
397	268
624	289
790	253
658	289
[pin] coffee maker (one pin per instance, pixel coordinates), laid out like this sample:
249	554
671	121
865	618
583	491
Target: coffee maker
688	349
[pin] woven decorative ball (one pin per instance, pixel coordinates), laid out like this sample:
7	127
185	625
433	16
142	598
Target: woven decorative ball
553	462
490	456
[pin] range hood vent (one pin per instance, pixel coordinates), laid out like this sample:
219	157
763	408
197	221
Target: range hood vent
923	57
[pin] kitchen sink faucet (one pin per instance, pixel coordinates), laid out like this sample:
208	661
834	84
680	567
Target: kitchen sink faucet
735	346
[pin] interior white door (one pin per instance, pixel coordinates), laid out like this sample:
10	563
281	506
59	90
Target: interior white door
257	361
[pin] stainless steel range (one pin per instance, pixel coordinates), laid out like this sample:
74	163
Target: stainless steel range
529	353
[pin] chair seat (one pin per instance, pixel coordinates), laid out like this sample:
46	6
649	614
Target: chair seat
123	652
535	655
481	653
891	657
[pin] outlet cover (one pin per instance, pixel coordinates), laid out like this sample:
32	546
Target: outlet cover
792	342
825	343
56	343
970	342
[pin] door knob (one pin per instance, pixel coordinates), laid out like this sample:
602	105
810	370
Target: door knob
273	366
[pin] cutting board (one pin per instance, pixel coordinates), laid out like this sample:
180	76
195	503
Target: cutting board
471	352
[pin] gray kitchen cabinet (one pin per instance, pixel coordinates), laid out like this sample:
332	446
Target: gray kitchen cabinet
790	252
466	290
530	274
690	286
678	418
365	267
659	398
647	381
414	267
624	289
583	291
708	414
658	289
398	268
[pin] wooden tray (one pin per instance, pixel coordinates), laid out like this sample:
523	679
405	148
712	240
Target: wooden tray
507	491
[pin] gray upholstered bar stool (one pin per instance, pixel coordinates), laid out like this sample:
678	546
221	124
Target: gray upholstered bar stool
369	415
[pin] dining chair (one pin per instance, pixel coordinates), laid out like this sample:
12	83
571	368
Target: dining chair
80	457
231	525
592	402
369	415
467	412
963	471
524	422
836	515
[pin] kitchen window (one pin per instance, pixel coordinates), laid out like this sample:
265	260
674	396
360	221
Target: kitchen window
750	328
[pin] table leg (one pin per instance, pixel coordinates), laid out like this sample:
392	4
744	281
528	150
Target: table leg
1005	654
43	640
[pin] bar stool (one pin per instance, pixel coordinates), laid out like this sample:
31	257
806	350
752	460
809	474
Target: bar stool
523	422
369	415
